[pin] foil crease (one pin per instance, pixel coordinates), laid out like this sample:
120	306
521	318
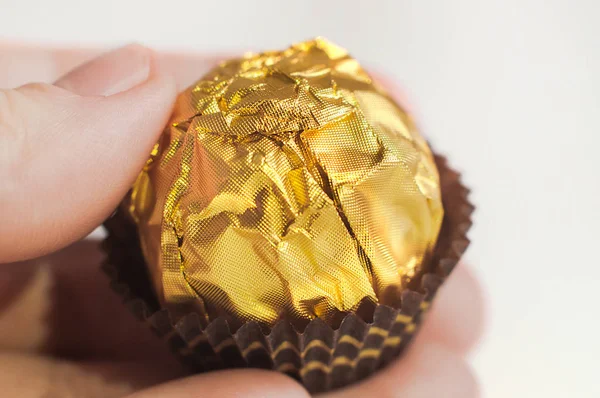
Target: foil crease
287	185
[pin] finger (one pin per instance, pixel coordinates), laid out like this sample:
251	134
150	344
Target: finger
226	384
62	305
67	159
184	68
32	376
428	370
22	64
37	376
457	317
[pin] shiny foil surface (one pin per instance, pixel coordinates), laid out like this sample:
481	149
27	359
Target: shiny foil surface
287	185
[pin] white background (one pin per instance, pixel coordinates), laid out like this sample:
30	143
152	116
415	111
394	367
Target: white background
510	90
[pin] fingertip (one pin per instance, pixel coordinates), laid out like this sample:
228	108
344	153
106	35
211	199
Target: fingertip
185	68
159	89
425	371
110	73
96	141
127	126
457	317
138	116
438	371
248	383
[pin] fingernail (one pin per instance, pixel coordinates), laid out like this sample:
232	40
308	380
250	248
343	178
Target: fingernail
110	73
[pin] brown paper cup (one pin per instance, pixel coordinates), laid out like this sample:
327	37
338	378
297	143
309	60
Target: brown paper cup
320	357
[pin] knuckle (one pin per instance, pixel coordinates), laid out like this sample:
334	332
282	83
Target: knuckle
29	115
8	106
18	107
13	104
15	145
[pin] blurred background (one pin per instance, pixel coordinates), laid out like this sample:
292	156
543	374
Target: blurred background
508	89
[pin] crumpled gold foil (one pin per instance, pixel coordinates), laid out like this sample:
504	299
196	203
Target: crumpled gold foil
288	184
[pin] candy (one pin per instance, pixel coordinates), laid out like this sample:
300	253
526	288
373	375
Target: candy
288	185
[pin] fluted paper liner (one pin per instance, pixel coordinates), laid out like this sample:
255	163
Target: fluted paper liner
320	357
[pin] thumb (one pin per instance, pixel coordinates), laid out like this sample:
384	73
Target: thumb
248	383
70	151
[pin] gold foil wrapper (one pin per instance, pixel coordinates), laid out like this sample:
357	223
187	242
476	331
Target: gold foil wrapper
288	185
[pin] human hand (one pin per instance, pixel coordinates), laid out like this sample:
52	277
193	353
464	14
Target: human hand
69	153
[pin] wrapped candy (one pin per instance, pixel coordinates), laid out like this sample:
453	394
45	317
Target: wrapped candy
289	197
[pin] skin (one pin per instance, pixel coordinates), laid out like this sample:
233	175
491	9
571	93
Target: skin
95	126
